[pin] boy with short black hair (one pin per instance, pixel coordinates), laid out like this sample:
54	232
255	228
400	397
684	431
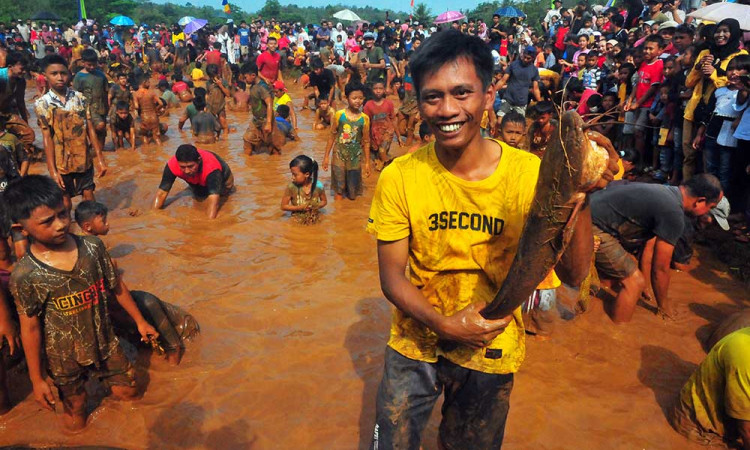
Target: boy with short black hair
64	118
382	115
513	129
260	128
217	91
206	126
62	287
591	74
92	83
284	129
92	218
650	75
167	95
323	115
119	92
123	126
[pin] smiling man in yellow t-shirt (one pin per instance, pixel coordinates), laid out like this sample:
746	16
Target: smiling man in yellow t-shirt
453	211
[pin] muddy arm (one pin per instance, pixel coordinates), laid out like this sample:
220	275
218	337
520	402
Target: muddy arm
574	264
661	273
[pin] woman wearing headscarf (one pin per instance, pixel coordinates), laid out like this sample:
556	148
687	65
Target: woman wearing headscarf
482	34
708	74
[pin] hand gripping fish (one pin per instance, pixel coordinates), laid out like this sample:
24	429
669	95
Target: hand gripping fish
572	165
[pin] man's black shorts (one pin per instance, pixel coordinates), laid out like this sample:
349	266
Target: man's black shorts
76	183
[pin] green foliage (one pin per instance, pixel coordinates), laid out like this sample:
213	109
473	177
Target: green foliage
423	14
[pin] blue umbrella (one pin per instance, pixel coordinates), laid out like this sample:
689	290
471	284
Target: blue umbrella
510	11
122	21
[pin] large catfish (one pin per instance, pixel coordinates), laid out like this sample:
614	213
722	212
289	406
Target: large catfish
571	165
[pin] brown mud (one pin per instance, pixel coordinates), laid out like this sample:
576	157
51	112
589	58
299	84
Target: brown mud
293	327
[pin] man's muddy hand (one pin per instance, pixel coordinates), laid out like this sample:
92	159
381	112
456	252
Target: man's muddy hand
470	328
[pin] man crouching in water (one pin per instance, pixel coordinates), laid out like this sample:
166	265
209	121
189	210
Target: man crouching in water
205	172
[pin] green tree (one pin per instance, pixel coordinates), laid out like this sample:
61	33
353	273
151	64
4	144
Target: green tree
423	14
272	8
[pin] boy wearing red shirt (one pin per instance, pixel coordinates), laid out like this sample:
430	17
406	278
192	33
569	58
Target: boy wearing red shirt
650	76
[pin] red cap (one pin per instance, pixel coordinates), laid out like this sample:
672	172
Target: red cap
278	84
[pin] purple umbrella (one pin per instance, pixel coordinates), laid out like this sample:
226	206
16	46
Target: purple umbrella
449	16
195	25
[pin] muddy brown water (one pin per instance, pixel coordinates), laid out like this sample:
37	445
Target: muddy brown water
294	327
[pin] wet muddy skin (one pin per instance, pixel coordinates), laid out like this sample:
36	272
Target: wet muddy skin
294	327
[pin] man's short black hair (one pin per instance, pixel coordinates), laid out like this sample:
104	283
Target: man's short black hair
704	185
52	59
617	20
25	195
448	46
187	153
89	56
316	63
88	209
685	29
249	69
14	58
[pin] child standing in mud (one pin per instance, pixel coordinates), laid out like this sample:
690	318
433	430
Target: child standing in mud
382	115
147	102
92	83
64	118
350	140
119	92
217	91
62	288
260	129
305	194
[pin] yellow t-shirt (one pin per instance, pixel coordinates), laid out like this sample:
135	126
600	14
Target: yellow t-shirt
76	52
197	75
283	100
463	236
720	387
551	281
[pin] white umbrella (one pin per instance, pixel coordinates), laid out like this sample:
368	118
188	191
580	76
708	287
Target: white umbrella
347	14
720	11
185	20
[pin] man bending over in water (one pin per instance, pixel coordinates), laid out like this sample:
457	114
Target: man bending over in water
205	172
